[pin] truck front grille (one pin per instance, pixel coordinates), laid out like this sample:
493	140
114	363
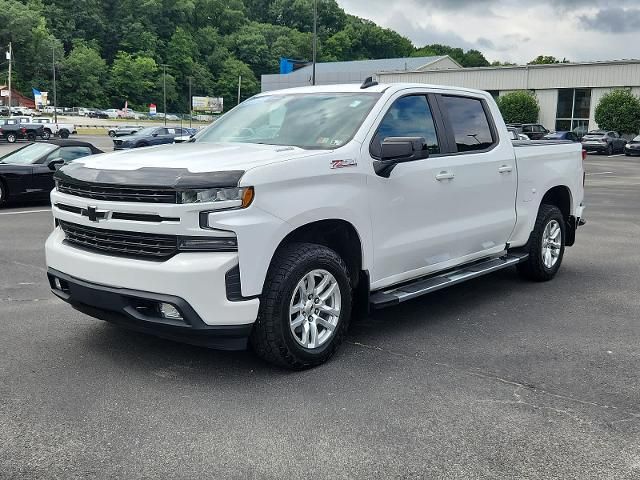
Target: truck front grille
118	194
116	242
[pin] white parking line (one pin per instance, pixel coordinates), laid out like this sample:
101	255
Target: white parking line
25	211
616	155
599	173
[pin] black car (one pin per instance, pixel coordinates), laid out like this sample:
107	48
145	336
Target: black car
603	141
27	173
150	136
633	147
571	136
97	114
534	131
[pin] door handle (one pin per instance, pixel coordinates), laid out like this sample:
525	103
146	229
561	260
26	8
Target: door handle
445	176
505	169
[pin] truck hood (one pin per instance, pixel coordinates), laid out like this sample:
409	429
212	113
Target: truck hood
183	165
197	157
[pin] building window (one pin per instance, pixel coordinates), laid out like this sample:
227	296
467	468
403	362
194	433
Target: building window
573	109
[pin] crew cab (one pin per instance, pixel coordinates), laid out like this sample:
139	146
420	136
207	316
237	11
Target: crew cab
300	208
12	129
62	130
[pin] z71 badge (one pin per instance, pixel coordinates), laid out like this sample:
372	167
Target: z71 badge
343	163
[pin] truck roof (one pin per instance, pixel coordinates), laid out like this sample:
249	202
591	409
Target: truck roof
380	88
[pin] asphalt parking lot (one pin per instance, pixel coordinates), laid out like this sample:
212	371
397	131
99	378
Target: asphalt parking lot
496	378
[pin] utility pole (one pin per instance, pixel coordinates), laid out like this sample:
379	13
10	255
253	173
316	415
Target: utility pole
315	39
55	95
164	90
10	62
239	83
190	104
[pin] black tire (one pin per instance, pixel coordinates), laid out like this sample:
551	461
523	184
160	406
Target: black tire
64	134
271	337
112	133
534	268
46	135
11	137
31	137
3	193
609	149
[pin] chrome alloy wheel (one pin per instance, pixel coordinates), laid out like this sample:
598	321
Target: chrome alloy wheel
314	309
551	243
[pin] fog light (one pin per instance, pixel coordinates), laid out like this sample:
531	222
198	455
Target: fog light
170	312
56	283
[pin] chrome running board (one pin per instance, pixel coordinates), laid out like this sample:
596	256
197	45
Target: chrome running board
423	285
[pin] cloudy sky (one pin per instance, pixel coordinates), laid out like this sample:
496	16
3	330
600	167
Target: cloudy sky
514	30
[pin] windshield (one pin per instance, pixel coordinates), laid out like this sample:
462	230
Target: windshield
636	139
146	131
29	154
313	121
596	133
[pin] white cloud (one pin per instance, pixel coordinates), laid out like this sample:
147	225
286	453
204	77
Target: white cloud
509	30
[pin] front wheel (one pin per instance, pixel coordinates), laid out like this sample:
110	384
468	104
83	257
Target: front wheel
31	137
305	307
610	150
64	134
546	245
46	135
112	133
11	137
3	194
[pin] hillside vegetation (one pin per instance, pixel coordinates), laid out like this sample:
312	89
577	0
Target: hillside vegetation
109	51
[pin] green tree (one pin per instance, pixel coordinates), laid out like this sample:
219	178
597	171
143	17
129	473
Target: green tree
546	60
227	84
519	107
619	110
82	77
133	78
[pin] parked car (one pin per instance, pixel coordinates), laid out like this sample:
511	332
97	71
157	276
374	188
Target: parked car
603	141
534	131
515	135
28	172
632	148
188	135
113	113
122	130
149	136
5	112
13	129
300	205
97	114
571	136
62	130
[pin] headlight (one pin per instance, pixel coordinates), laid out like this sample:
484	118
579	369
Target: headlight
230	197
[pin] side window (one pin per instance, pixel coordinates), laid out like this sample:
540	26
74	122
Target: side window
407	117
469	123
527	129
169	131
69	154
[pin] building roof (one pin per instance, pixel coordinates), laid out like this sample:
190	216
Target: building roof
378	65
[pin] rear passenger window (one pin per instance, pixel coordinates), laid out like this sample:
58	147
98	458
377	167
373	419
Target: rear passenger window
407	117
469	123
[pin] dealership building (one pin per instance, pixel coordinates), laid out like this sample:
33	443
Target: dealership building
568	93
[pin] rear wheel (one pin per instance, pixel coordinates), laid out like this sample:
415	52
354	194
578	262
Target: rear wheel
112	133
305	307
31	137
46	135
610	149
64	134
546	245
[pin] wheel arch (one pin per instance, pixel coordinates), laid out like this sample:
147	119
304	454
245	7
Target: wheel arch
337	234
561	197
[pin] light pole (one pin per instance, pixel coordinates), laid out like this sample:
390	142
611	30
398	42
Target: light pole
10	58
164	90
315	39
55	97
190	104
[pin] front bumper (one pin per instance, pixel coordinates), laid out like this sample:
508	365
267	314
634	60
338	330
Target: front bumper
133	309
199	278
632	151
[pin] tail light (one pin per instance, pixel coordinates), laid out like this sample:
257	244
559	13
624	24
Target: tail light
584	154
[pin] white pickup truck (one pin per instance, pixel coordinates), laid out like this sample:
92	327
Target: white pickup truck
300	208
62	130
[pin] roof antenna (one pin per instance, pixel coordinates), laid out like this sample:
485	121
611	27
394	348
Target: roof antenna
368	82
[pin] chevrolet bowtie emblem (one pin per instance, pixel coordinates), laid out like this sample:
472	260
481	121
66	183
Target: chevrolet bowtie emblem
93	214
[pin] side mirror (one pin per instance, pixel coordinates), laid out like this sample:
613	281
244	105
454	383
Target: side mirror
396	150
55	163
